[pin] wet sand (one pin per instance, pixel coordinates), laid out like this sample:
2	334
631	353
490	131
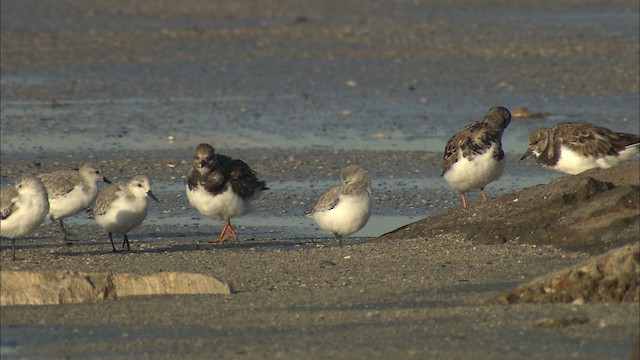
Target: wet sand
299	92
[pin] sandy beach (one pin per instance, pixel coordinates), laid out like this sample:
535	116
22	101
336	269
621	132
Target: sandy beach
298	91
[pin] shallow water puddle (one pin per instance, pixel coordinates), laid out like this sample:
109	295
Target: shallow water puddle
258	225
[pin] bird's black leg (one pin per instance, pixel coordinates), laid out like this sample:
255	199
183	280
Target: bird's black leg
13	248
126	242
64	231
112	245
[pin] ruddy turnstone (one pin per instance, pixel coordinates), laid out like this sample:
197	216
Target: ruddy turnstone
23	207
473	157
572	148
122	207
71	191
345	209
220	188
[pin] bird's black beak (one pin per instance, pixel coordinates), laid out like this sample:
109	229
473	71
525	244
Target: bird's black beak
106	180
527	154
150	194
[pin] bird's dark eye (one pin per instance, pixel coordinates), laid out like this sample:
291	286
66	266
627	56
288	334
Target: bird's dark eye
139	185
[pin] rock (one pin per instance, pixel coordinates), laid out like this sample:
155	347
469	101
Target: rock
169	283
611	277
524	113
592	212
67	286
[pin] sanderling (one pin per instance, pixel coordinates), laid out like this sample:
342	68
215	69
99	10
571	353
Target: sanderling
572	148
24	207
122	207
71	192
220	188
473	156
345	209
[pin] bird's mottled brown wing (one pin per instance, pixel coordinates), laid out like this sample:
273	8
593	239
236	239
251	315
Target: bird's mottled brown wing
105	199
450	153
8	197
327	201
592	140
60	183
244	180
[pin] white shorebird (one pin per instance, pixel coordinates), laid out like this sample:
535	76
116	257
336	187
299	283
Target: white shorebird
221	188
122	207
71	192
572	148
24	207
345	209
473	156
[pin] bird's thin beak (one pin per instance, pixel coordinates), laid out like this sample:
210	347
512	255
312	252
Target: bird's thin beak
527	154
106	180
150	194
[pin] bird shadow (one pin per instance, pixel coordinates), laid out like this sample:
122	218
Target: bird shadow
201	244
172	242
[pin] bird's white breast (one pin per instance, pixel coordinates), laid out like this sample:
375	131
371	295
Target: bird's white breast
123	215
73	202
30	213
572	162
348	216
476	173
222	206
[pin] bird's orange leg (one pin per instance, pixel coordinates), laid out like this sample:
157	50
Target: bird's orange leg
231	233
224	230
227	233
464	200
484	196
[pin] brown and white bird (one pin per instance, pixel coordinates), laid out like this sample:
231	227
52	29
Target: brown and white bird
473	157
23	208
71	192
221	188
574	147
345	209
122	207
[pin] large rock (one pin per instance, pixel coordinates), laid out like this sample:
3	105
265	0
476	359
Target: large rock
611	277
67	286
592	212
